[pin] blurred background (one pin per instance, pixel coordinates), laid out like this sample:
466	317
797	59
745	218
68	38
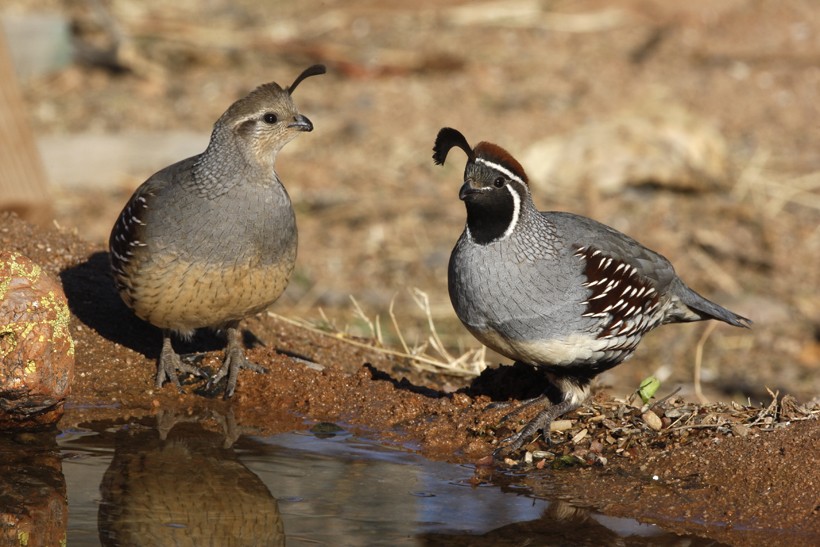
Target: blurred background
693	127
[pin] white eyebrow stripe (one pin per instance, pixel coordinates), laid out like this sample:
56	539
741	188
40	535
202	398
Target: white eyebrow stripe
501	168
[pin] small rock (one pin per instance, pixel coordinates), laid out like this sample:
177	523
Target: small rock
579	436
675	413
652	420
560	425
36	349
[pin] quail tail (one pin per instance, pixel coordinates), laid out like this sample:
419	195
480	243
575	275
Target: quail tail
170	365
233	362
698	308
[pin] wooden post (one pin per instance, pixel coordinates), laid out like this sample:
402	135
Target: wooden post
23	184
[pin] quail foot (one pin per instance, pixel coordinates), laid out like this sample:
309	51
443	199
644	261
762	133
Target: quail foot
561	292
211	239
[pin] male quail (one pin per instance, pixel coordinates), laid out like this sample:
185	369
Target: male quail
212	239
558	291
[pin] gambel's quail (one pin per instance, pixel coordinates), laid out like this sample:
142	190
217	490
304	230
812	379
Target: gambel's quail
212	239
555	290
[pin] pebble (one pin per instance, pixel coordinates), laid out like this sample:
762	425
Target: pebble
36	349
740	430
652	420
579	436
674	413
560	425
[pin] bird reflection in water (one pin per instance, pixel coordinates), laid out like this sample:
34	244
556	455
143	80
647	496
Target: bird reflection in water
180	484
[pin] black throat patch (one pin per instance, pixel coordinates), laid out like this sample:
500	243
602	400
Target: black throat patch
490	214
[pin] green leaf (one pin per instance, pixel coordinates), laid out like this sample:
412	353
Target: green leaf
648	388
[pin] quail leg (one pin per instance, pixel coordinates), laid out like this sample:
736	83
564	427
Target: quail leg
522	405
170	364
234	361
541	422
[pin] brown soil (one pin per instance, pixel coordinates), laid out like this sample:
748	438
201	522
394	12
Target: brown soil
376	218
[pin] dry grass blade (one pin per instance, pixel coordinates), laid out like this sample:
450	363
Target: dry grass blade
661	401
769	411
469	364
423	301
327	323
699	361
798	190
751	177
396	326
373	326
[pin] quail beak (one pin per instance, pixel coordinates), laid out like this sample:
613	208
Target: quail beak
301	123
467	191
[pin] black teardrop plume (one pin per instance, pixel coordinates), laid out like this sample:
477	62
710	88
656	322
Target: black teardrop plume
446	139
314	70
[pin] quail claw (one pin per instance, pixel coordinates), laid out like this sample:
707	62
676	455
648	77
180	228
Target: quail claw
170	366
235	360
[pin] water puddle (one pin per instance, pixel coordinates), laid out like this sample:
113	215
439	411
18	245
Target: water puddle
175	482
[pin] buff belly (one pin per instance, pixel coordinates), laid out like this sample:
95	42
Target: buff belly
182	296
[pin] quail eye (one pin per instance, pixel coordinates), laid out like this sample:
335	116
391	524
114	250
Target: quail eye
270	117
499	182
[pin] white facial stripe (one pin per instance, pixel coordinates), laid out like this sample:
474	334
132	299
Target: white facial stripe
516	212
500	168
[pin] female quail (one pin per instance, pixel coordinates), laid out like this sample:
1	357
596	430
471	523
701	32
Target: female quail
558	291
212	239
